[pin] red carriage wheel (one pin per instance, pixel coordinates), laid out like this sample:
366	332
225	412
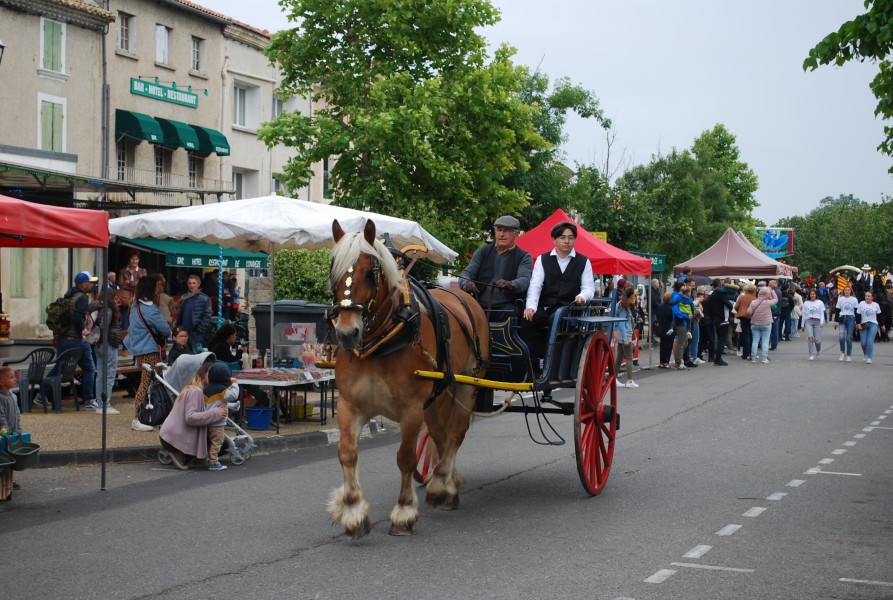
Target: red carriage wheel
595	414
424	450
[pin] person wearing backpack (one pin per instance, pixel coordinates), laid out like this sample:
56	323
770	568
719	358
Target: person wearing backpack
70	335
107	349
146	338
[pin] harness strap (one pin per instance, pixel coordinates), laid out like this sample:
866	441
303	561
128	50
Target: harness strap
441	325
474	340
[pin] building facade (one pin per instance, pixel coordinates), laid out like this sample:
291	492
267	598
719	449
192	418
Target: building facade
186	90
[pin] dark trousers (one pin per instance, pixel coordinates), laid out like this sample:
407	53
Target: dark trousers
535	333
720	332
745	338
666	346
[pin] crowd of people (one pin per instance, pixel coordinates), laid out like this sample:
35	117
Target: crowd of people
750	318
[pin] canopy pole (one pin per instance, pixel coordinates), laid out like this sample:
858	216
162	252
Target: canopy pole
103	338
219	277
272	322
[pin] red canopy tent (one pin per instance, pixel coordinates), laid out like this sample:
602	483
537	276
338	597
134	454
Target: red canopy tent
734	256
29	225
605	258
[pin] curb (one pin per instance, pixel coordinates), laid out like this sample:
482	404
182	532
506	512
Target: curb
280	443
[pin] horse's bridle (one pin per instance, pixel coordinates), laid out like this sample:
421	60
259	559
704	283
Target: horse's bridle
347	302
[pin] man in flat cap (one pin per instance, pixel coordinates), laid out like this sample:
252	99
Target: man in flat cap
499	272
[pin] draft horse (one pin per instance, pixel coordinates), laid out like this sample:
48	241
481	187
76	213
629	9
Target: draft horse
388	326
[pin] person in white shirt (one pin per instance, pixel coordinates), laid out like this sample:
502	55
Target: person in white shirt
868	311
813	322
846	317
560	278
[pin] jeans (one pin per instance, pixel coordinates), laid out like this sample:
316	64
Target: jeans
786	324
88	377
845	334
866	338
761	335
773	335
695	340
107	355
745	338
814	335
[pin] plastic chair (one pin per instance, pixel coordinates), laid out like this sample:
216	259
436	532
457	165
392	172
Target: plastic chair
68	364
37	361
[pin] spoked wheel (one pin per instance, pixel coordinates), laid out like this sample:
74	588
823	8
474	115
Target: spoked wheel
164	457
595	414
424	451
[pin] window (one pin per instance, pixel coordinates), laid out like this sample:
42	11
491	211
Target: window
279	185
238	185
17	268
277	106
51	128
124	159
240	97
52	45
325	179
162	44
198	55
196	171
162	165
126	32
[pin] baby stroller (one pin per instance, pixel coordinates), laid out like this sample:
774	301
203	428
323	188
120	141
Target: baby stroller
237	443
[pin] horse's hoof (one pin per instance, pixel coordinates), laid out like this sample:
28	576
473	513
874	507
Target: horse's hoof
400	530
361	531
449	503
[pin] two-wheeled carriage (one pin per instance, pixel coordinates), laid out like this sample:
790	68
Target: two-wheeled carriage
579	356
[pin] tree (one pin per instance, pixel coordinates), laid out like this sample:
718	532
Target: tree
423	126
303	275
868	36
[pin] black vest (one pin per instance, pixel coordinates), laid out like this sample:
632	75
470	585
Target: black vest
561	288
488	295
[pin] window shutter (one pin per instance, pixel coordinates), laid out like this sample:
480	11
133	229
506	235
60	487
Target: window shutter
52	45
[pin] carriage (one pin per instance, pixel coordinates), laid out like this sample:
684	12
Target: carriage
421	355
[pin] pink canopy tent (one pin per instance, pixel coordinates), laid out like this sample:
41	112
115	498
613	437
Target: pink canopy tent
734	256
605	258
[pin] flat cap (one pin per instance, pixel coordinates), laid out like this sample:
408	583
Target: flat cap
508	222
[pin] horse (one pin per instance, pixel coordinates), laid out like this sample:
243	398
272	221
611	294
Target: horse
387	326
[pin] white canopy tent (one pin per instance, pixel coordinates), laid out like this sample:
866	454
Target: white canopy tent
272	223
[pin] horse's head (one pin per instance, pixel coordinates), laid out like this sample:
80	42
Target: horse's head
362	276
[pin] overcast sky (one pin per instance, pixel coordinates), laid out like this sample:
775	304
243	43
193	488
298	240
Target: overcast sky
666	71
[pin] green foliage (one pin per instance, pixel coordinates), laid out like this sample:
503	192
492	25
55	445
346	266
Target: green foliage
303	275
421	122
842	231
868	36
678	204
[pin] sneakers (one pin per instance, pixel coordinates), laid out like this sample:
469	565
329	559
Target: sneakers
818	355
110	410
765	361
137	426
631	384
842	357
15	486
670	332
753	360
91	406
811	357
221	467
39	401
688	335
868	360
738	352
179	460
697	361
849	359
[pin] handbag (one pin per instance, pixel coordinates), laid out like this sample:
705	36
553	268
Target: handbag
160	338
156	406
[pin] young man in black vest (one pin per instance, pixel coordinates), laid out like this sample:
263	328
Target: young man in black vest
560	278
499	272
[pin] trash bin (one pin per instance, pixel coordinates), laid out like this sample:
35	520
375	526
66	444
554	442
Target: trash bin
296	322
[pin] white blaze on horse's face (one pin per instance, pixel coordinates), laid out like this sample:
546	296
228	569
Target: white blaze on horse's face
355	292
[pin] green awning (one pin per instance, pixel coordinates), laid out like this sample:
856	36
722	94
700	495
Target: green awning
137	126
178	135
199	255
211	140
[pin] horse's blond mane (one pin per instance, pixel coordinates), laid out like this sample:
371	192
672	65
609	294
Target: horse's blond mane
348	250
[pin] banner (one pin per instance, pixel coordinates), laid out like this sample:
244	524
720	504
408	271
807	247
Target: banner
776	242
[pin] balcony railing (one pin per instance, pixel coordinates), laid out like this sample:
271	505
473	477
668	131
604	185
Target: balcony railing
170	189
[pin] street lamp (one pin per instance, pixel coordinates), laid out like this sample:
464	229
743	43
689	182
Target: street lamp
2	48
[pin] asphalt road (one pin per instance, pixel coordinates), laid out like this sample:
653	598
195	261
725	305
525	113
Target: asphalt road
746	481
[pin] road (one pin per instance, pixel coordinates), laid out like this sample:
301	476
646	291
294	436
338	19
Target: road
746	481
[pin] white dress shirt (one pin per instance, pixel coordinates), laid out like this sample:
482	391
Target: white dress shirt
587	286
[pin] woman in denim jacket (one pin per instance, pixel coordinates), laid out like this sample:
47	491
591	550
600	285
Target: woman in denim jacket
145	315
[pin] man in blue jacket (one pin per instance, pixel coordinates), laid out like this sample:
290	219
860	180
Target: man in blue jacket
194	313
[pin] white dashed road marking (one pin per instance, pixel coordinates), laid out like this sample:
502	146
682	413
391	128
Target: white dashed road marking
728	530
660	576
851	444
839	451
698	551
756	511
796	482
866	582
776	496
826	461
711	567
